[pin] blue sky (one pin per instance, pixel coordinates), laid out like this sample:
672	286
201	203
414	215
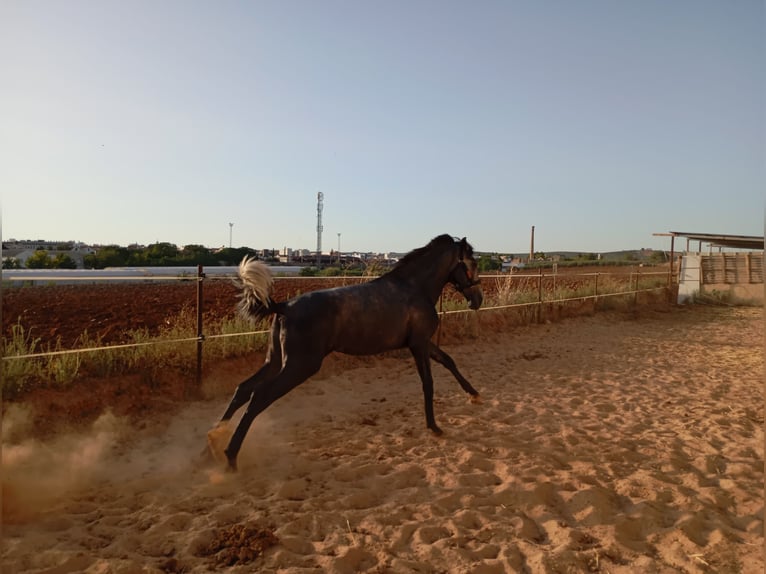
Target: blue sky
598	122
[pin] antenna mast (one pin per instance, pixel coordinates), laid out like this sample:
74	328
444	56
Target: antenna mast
320	201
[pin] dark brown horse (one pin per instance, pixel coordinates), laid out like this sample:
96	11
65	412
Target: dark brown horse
394	311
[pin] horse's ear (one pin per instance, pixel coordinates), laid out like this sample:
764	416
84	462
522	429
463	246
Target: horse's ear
463	248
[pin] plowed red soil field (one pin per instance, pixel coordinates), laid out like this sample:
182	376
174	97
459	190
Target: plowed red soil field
63	313
109	311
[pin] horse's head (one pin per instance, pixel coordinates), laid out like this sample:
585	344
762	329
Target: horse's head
444	260
465	275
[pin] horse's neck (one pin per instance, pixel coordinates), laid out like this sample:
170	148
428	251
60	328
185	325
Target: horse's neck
432	278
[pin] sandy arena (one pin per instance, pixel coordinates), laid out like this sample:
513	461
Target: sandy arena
616	443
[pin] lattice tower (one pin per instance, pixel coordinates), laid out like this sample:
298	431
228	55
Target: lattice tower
320	202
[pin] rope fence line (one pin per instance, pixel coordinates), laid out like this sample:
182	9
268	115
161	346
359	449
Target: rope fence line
10	278
242	334
563	300
267	331
97	278
93	349
132	345
201	338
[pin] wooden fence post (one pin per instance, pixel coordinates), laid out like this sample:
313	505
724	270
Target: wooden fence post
595	292
200	334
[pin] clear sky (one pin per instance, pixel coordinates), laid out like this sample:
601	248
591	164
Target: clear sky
599	122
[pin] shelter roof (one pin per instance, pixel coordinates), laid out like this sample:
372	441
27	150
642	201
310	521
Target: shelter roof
735	241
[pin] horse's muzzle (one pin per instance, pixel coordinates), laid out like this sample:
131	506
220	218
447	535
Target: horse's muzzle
474	296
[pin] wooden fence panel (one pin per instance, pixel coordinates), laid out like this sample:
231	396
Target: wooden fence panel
732	268
756	267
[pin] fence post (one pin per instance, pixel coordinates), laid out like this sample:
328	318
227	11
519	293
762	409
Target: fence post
540	295
670	271
200	334
595	293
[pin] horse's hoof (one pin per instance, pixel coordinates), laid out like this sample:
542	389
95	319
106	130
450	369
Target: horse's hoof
475	399
217	439
437	431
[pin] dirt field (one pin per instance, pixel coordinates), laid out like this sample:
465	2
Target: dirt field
620	442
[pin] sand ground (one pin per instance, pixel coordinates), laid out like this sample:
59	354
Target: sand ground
611	443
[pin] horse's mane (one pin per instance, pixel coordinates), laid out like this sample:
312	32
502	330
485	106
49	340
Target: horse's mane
415	255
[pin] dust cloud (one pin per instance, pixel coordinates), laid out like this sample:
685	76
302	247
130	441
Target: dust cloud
43	475
37	474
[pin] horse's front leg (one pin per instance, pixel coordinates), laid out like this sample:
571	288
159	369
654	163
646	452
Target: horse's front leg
438	355
423	362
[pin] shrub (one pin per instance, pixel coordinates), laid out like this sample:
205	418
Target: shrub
18	374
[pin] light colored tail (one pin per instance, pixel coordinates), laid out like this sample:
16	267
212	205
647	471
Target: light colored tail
256	282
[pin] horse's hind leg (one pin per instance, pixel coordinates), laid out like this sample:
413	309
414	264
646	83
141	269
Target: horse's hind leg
245	389
265	393
444	359
218	437
269	370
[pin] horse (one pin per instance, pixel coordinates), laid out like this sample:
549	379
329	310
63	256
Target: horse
394	311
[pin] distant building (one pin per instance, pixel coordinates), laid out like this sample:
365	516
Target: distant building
23	250
511	264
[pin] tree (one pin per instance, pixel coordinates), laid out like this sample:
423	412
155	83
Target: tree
63	261
196	255
232	256
108	256
161	254
11	263
488	263
39	260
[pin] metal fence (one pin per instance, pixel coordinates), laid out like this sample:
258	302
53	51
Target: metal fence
540	289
